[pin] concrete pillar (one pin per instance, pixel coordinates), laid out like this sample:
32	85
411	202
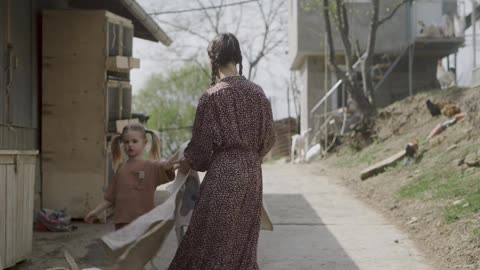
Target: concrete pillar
313	89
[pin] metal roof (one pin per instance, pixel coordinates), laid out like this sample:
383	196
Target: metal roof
145	26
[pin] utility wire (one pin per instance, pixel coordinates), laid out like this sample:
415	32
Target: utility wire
200	9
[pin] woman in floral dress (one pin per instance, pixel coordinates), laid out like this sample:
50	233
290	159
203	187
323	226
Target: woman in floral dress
233	131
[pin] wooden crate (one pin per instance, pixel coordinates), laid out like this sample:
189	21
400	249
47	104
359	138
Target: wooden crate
119	103
17	179
79	48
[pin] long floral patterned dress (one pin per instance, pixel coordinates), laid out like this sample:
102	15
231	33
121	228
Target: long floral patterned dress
233	131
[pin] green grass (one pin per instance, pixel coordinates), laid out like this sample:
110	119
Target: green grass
476	233
453	213
447	183
441	183
363	157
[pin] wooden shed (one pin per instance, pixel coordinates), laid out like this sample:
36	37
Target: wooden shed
17	179
87	56
23	113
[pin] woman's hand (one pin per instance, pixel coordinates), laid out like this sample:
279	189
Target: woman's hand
183	165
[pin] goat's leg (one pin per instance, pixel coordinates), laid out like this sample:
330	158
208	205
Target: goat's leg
292	150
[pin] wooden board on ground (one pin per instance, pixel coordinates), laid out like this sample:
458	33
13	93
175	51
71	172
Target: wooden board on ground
380	166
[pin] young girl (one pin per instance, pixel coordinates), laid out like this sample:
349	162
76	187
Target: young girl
132	189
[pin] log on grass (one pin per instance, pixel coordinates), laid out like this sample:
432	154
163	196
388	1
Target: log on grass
380	166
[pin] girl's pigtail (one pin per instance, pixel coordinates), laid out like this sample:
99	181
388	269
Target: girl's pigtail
116	152
156	145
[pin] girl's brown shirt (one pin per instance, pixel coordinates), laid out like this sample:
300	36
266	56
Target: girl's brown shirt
132	189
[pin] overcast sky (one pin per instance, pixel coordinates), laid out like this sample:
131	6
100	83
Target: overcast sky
273	72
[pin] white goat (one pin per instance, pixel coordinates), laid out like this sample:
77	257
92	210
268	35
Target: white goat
299	146
444	77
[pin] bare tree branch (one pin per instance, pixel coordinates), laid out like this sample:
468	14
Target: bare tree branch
185	29
394	10
239	21
267	44
331	47
209	17
347	76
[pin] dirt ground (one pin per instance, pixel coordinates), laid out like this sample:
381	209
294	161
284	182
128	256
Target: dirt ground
437	198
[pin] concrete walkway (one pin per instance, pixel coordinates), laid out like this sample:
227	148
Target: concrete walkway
319	225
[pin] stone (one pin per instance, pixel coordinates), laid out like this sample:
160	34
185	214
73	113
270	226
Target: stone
458	162
393	207
470	170
458	202
412	220
451	148
472	160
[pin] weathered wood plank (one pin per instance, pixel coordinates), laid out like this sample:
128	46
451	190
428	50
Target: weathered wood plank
20	209
74	99
30	184
3	212
118	63
10	249
380	166
134	63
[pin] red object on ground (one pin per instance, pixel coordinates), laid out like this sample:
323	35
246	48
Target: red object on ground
437	130
39	227
459	116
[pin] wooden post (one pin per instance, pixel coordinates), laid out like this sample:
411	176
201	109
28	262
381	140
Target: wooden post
410	69
474	33
326	89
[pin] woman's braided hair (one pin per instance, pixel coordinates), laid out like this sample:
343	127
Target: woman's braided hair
222	50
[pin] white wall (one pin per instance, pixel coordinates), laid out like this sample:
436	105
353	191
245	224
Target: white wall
465	54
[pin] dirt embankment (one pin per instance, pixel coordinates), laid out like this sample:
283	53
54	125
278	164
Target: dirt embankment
437	198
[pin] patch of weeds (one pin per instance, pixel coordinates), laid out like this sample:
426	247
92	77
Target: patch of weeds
470	206
419	186
395	167
476	233
443	182
364	157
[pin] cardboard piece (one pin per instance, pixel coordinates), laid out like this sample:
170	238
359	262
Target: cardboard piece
138	242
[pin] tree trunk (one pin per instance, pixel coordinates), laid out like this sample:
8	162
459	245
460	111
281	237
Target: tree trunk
367	64
348	77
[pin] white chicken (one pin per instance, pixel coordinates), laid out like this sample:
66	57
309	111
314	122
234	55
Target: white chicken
445	78
430	31
448	25
459	25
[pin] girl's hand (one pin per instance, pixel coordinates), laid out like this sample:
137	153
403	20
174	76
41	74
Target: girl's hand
170	164
90	217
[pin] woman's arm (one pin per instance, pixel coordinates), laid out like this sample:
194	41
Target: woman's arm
268	132
199	151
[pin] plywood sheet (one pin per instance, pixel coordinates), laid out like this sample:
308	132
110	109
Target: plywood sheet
73	110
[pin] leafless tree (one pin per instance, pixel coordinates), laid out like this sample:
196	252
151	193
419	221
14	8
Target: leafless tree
348	75
375	23
258	39
336	11
272	36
